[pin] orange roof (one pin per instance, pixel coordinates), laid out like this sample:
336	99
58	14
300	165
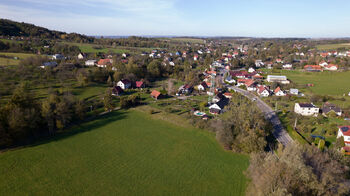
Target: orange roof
313	67
104	61
249	82
331	65
242	80
155	93
277	89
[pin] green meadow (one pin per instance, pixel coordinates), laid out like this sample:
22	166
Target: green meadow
332	46
325	83
124	153
10	58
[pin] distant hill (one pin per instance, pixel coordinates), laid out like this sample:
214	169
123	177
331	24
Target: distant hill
12	28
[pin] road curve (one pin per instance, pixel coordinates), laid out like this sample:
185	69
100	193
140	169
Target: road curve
279	132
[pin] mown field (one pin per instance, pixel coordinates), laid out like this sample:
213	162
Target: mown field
10	58
124	153
325	83
332	46
94	48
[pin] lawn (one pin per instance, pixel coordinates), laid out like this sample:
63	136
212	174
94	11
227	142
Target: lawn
94	48
11	60
189	40
332	46
325	83
124	153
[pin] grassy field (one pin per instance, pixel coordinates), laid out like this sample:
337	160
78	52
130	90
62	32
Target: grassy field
325	83
94	48
124	153
11	61
332	46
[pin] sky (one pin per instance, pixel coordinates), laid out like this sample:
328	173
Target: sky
250	18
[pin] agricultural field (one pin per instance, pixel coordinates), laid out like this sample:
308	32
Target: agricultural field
124	153
94	48
10	58
325	83
333	46
189	40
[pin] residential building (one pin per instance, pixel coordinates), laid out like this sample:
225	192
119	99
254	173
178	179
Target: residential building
327	108
306	109
57	57
313	68
263	91
124	84
156	95
279	92
331	67
90	63
104	63
344	131
81	56
117	91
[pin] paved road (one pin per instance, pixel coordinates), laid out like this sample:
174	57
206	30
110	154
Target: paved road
280	133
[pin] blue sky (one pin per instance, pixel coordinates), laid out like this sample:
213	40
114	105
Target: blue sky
258	18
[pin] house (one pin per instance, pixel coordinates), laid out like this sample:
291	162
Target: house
263	91
156	95
251	70
331	67
195	57
49	64
306	109
104	63
140	84
57	57
90	62
124	55
323	63
230	80
117	91
185	89
279	61
251	85
124	84
241	82
218	107
287	66
328	108
294	91
278	92
313	68
81	56
228	95
203	86
344	131
259	63
279	79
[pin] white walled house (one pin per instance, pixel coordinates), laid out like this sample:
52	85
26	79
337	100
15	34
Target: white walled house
331	67
124	84
57	57
263	91
287	66
306	109
90	63
344	131
81	56
278	92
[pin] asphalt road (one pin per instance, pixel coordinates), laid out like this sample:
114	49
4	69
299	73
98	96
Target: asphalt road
279	132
